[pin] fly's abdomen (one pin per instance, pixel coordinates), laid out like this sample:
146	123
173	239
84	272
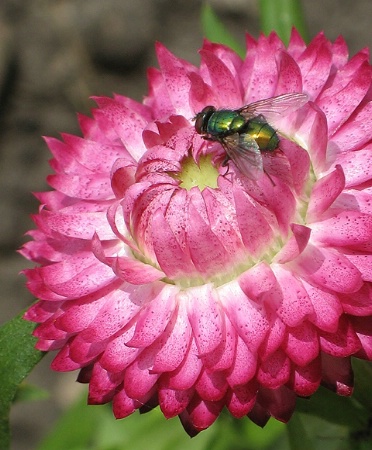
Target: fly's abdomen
225	122
264	134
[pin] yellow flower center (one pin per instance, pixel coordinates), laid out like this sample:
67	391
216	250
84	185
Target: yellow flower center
204	174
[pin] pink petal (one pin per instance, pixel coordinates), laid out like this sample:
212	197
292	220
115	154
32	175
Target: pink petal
274	339
123	405
154	317
349	228
274	371
205	317
135	272
113	115
62	361
259	71
102	386
358	303
246	316
117	356
81	226
343	343
255	231
295	305
340	100
259	283
356	132
172	402
223	356
244	366
174	343
306	380
171	258
280	403
357	166
326	306
315	65
299	162
223	221
221	79
121	307
241	400
211	386
329	269
362	326
206	251
139	379
302	344
289	75
295	245
201	413
296	45
363	263
185	376
175	74
325	191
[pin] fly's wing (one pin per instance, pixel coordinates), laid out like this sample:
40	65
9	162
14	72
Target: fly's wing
244	151
274	108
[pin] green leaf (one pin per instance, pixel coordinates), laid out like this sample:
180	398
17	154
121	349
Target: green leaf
17	358
215	31
363	386
281	16
297	435
334	408
307	432
75	430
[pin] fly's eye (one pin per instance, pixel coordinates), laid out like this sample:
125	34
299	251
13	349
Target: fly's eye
199	122
201	119
208	110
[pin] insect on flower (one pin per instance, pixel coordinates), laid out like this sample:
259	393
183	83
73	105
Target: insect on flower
246	132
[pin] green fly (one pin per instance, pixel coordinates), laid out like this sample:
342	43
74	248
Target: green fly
246	132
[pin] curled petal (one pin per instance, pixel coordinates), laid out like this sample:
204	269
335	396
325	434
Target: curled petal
295	245
325	192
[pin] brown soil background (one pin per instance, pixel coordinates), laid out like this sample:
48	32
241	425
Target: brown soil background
55	54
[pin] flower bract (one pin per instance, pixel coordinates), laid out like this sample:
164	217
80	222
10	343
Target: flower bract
169	277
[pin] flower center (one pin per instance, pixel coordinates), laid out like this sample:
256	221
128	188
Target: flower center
201	175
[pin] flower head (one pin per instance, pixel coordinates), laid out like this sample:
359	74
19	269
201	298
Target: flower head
170	277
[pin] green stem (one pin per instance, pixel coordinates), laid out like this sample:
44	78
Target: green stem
281	16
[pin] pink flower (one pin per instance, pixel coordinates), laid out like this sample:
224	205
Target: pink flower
169	279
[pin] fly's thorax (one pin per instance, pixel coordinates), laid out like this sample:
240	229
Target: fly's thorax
225	122
263	133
